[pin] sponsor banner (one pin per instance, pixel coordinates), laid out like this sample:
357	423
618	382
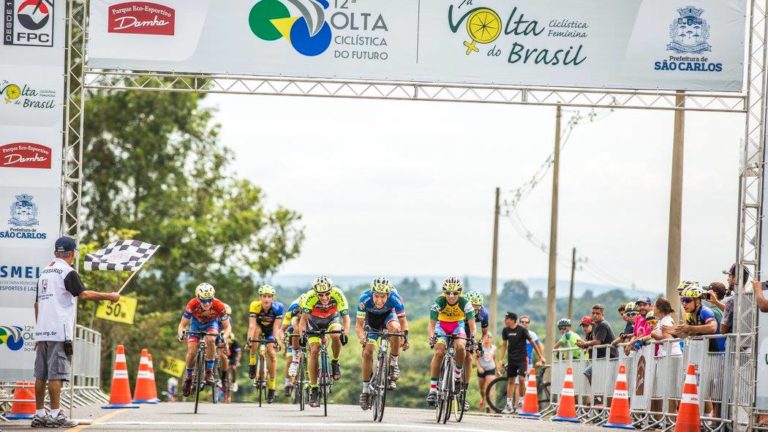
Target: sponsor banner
644	371
29	216
17	344
31	96
633	44
19	271
33	32
30	156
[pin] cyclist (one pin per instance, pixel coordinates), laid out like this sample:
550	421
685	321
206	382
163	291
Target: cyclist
321	309
447	317
262	316
235	355
292	351
481	318
202	315
569	339
380	307
222	350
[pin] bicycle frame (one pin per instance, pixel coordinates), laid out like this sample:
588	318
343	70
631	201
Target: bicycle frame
380	376
262	371
324	378
446	386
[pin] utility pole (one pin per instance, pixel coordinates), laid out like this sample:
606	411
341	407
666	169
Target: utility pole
676	202
495	265
552	277
570	291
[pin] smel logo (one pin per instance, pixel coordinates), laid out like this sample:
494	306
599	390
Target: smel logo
25	155
142	18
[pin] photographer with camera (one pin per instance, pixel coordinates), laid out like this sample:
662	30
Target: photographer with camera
727	325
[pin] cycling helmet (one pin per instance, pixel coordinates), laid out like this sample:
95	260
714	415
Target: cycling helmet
563	323
452	284
227	309
266	290
475	298
693	292
381	285
322	284
685	284
231	338
205	292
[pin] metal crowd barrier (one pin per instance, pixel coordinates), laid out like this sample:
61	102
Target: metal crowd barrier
654	380
84	385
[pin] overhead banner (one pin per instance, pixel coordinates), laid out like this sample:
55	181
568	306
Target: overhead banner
628	44
32	78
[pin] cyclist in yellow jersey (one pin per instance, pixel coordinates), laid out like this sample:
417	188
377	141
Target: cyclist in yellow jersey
448	316
323	308
264	320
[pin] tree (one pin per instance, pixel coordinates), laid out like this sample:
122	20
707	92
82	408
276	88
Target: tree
154	165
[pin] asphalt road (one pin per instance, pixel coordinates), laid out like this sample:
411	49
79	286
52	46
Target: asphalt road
279	417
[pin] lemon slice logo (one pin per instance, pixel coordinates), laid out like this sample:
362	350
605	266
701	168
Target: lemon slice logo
12	92
483	26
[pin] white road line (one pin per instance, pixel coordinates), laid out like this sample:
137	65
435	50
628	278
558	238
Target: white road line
355	426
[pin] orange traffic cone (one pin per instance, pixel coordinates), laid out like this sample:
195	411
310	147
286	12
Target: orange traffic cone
152	376
23	401
566	408
619	417
120	392
531	399
142	393
688	419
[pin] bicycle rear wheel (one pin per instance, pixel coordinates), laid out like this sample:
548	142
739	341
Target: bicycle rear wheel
198	377
381	385
496	394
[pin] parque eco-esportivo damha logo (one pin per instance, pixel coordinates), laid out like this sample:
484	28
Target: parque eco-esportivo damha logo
309	34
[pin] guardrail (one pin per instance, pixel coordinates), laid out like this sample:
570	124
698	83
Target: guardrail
654	378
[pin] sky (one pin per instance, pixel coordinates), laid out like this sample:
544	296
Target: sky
407	188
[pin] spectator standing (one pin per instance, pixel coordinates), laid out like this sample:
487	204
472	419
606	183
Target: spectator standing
726	325
514	337
626	334
486	366
58	289
525	321
602	334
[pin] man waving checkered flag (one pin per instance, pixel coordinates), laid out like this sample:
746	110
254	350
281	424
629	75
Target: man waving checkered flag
122	255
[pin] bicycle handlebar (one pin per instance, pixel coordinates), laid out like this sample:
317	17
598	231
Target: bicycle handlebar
322	332
264	341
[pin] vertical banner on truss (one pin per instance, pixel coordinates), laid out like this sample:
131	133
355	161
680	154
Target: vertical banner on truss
32	81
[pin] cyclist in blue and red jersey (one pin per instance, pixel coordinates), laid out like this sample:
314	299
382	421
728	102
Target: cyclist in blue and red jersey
204	313
379	308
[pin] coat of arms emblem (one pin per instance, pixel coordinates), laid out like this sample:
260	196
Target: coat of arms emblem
689	32
24	212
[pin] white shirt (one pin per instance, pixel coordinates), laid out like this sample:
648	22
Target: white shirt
674	346
56	306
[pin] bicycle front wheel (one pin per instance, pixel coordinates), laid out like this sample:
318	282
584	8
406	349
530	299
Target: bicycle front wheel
197	381
325	378
381	387
460	398
496	394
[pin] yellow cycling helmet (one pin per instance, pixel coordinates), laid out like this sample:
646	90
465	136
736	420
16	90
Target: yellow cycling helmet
692	292
322	284
452	284
381	285
267	290
685	284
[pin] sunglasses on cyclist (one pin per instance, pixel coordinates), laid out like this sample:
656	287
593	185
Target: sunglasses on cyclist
686	300
452	293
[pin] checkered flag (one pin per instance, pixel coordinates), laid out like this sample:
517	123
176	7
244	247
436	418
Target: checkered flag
122	255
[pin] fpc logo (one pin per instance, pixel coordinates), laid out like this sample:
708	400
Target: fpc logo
28	22
309	34
11	336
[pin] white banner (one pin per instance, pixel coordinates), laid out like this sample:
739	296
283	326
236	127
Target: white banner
633	44
32	78
17	344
